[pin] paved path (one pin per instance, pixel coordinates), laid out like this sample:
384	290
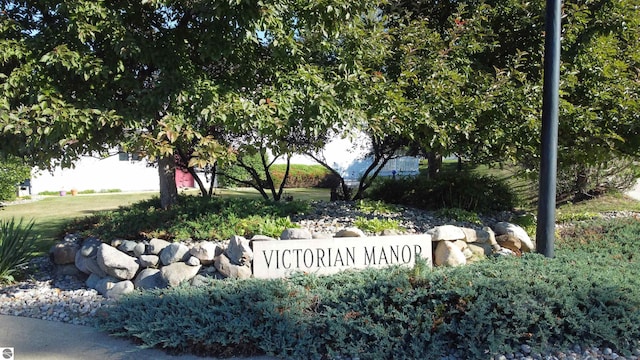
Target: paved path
34	339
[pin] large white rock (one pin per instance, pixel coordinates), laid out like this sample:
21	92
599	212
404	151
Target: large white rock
446	233
205	251
149	261
239	251
178	272
505	228
174	252
448	254
116	263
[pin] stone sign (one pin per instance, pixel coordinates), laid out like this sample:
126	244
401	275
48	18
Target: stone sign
280	258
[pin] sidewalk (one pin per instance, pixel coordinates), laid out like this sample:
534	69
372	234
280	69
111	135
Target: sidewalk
33	339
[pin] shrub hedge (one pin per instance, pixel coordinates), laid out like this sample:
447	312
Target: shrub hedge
589	294
462	190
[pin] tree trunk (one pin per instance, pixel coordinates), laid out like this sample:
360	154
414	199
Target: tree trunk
434	163
168	188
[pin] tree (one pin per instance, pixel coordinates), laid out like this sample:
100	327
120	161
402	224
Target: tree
13	171
155	76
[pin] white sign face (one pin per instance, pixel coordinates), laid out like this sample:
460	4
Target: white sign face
280	258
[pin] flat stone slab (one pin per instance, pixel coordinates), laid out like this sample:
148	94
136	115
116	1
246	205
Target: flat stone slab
277	259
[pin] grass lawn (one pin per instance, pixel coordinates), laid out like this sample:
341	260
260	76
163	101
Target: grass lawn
52	213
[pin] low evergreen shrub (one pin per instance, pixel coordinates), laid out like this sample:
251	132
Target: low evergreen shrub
376	226
17	243
589	294
304	176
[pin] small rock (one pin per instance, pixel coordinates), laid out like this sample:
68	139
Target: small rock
149	261
140	249
119	289
474	235
350	232
90	246
295	234
127	246
193	261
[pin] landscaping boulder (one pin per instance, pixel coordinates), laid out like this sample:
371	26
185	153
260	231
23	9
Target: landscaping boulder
446	233
64	253
350	232
90	247
119	289
205	251
475	235
148	261
89	265
296	234
504	228
116	263
156	245
230	270
175	273
127	246
140	249
149	279
238	251
510	242
174	252
448	254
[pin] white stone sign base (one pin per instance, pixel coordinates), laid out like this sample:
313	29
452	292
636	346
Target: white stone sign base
280	258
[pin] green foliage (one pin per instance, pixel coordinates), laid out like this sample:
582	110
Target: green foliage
376	226
589	293
463	190
17	243
13	171
459	215
563	217
375	207
193	217
302	176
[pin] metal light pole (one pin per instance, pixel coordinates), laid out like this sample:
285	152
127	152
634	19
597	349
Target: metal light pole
545	230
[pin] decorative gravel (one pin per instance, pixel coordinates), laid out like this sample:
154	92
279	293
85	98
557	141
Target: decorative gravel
65	298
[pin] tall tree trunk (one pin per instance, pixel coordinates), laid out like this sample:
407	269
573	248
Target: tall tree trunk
167	174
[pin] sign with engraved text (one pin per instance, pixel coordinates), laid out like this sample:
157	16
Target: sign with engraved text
280	258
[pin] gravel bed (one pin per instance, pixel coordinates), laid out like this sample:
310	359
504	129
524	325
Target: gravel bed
48	295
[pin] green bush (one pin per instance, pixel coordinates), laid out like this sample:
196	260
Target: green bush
463	190
459	215
17	243
376	226
303	176
193	217
588	294
13	171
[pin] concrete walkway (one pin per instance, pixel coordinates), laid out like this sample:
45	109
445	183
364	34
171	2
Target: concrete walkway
33	339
